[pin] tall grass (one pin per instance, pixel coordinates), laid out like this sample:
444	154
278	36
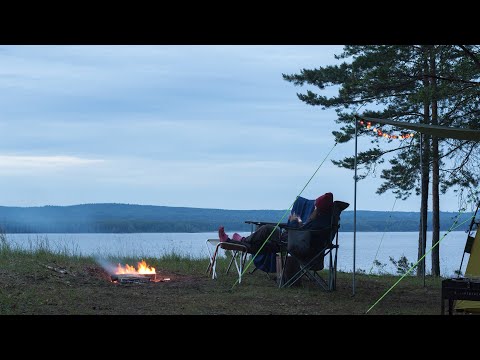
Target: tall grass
40	249
4	245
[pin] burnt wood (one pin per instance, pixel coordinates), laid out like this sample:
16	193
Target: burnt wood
133	278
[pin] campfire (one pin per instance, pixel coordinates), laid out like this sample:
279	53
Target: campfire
142	274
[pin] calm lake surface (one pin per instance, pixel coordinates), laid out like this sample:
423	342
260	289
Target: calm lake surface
394	244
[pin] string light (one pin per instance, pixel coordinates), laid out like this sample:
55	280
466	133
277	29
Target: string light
377	130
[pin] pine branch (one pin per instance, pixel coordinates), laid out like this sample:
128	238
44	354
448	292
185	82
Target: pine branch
471	55
451	79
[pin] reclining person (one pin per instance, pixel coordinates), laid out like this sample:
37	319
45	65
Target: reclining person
320	218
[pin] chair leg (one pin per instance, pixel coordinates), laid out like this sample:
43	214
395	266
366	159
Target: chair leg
335	270
234	254
214	264
238	264
319	280
284	266
243	258
210	258
333	277
305	270
295	277
330	272
238	260
209	267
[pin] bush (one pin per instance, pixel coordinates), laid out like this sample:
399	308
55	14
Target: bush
402	264
380	267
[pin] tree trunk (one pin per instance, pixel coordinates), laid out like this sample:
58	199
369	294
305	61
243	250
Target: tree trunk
435	172
422	241
425	158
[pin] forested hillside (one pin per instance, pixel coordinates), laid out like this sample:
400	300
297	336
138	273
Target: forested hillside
124	218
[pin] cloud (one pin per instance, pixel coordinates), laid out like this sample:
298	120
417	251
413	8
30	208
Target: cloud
21	164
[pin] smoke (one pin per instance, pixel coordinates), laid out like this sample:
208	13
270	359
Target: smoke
106	265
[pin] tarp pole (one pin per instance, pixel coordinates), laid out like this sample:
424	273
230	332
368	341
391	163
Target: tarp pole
355	208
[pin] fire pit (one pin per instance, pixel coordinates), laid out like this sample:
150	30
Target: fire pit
140	275
133	278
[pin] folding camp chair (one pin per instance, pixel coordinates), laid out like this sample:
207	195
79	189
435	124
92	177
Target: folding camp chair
266	260
310	247
238	252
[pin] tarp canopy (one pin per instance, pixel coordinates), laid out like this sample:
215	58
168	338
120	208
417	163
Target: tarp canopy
435	130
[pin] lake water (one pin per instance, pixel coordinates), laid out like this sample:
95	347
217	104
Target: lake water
394	244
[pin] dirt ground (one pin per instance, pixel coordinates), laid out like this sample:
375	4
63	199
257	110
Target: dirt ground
76	288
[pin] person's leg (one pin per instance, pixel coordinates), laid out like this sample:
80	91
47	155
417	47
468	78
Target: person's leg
256	240
237	237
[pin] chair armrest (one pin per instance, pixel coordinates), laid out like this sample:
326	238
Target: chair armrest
280	225
288	228
310	230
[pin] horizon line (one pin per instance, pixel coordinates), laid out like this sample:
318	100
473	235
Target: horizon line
188	207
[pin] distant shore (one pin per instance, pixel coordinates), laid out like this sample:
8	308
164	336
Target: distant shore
124	218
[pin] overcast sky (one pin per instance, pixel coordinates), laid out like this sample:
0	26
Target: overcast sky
195	126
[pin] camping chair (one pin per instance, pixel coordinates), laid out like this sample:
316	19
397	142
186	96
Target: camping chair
310	247
266	260
238	257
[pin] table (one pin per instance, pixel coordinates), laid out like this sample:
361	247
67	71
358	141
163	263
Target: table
459	289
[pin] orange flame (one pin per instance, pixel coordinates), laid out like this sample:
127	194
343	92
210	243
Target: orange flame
143	268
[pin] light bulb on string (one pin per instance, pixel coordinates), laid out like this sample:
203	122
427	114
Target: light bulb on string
378	131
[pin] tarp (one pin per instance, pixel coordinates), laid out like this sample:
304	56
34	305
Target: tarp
435	130
472	271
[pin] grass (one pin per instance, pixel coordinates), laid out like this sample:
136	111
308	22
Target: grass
46	281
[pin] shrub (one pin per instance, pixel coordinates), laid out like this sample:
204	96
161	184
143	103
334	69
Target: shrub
402	264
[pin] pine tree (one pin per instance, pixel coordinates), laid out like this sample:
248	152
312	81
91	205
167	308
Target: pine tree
429	84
